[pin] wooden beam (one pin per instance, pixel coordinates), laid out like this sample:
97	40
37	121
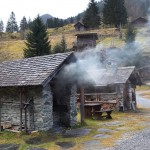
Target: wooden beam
21	110
25	112
82	105
0	116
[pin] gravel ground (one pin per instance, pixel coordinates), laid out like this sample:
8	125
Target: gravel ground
139	141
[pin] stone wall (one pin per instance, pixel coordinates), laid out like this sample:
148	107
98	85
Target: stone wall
10	105
40	112
39	119
43	118
73	106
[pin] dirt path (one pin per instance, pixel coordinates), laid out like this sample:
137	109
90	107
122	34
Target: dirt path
141	101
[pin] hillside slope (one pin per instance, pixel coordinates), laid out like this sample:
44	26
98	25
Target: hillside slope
13	49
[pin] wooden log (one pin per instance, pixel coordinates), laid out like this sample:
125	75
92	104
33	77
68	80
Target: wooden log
0	116
25	110
82	105
26	130
21	110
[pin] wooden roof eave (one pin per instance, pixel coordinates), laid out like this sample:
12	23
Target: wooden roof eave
56	71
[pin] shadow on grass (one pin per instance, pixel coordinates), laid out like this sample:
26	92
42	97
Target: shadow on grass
42	138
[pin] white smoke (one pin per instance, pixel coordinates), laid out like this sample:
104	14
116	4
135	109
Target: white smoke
99	58
91	62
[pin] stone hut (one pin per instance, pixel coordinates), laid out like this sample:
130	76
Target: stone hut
34	95
80	27
115	84
139	22
85	41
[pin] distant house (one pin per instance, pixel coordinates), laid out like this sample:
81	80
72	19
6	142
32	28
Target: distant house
139	22
144	73
80	27
84	41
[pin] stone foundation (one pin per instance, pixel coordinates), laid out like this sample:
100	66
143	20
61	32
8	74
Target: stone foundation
73	108
39	115
40	112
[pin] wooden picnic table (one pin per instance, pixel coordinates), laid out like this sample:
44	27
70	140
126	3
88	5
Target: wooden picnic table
90	108
96	109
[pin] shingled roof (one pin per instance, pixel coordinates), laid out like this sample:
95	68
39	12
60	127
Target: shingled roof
104	77
31	71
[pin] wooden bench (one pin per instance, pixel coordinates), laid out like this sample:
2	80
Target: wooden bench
106	107
99	114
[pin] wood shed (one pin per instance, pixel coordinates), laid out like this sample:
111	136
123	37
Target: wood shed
139	22
117	84
85	41
33	94
144	73
80	27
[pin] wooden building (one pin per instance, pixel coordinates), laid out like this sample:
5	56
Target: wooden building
33	94
80	27
139	22
144	73
117	84
85	41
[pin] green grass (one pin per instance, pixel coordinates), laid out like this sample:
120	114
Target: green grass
14	47
108	37
48	140
142	88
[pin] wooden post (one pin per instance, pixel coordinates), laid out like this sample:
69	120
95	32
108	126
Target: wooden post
26	130
135	97
21	110
0	116
25	111
82	105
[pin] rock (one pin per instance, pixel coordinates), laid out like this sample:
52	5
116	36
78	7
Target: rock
102	136
105	130
65	145
115	123
76	132
91	143
9	146
34	140
123	128
36	149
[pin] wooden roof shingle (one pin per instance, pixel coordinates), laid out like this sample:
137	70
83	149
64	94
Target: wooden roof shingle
104	77
31	71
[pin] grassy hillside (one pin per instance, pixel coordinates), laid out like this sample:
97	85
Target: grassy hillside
12	47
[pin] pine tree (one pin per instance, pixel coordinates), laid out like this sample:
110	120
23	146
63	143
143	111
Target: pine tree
114	12
29	23
23	24
63	44
57	48
1	26
37	40
12	24
91	18
130	34
60	47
